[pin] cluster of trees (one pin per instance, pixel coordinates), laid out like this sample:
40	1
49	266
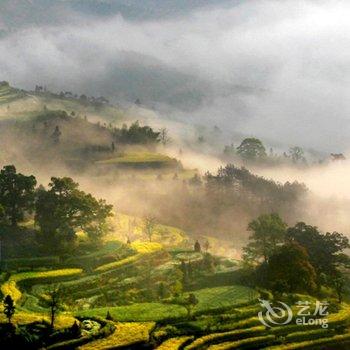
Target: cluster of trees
137	134
193	269
295	259
252	149
54	303
222	202
50	123
71	95
59	210
232	182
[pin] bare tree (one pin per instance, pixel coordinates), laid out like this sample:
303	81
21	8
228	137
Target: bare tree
206	245
163	136
149	223
54	303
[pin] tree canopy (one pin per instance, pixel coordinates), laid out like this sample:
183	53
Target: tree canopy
290	266
63	209
251	149
268	231
17	193
325	250
295	259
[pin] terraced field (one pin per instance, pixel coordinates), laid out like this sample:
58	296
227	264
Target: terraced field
126	333
225	316
9	94
141	160
128	226
10	286
15	103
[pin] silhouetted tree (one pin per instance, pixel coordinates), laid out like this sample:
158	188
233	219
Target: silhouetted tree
17	193
63	209
9	307
75	330
109	316
149	223
163	136
206	245
251	149
297	154
56	135
197	247
268	231
325	250
54	304
290	263
190	303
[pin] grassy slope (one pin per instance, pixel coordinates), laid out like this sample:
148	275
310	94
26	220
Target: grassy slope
209	298
17	104
174	343
125	333
138	157
139	312
10	286
9	94
141	248
213	298
168	236
24	317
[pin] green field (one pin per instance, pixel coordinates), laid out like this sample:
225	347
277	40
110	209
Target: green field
221	297
139	312
129	226
15	103
126	333
225	316
140	159
209	299
137	157
10	286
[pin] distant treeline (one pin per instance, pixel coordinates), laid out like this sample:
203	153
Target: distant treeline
223	203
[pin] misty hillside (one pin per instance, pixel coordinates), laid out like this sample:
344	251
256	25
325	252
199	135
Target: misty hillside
174	175
234	64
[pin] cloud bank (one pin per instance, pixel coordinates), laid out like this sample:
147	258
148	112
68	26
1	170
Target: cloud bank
278	70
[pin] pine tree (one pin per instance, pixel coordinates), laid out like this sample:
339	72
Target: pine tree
9	307
109	316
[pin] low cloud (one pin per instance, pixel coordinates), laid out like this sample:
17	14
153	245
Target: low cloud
278	70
